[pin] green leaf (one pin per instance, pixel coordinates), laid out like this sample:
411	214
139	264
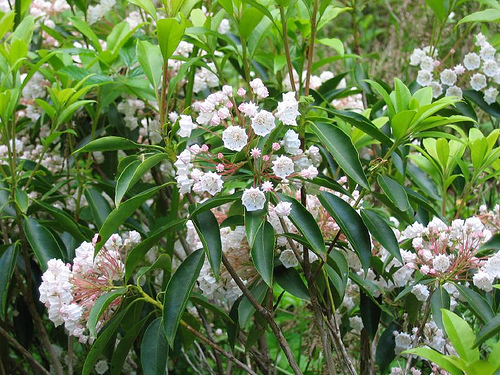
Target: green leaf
208	229
395	192
7	265
100	306
22	200
99	206
461	336
490	329
110	143
439	7
147	6
401	121
123	348
254	220
6	23
385	348
290	280
122	213
382	232
440	299
151	61
154	349
436	357
163	262
363	124
306	224
67	223
351	224
169	32
263	252
334	43
86	31
133	173
137	254
476	303
339	144
487	15
245	308
106	334
212	203
250	18
42	242
178	291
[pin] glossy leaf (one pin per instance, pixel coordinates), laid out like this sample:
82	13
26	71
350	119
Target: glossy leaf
306	224
154	349
118	216
339	144
476	303
436	357
351	224
461	336
151	61
110	143
382	232
124	346
169	32
7	265
245	308
395	192
42	242
440	299
290	280
99	206
178	292
263	252
146	5
209	232
490	329
100	306
254	220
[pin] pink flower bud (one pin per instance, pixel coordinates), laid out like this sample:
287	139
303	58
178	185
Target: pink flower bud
276	146
219	168
265	158
204	148
241	92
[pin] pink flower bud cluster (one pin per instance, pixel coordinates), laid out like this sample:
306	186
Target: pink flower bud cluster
69	291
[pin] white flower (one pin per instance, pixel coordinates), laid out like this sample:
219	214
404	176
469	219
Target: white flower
480	40
403	342
186	125
101	367
267	186
288	109
478	81
263	123
454	91
325	76
291	142
437	90
224	26
487	52
490	68
356	323
483	281
427	63
234	138
283	209
309	173
211	182
441	263
283	167
490	95
459	69
421	292
287	257
253	199
448	77
259	89
472	61
248	108
492	266
424	77
416	56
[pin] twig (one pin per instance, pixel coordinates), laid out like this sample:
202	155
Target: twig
23	351
230	356
266	315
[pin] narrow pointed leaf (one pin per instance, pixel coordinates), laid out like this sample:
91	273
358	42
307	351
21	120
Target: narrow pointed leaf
263	252
100	306
382	232
154	349
178	292
254	220
42	242
395	192
209	232
110	143
461	336
351	224
490	329
340	145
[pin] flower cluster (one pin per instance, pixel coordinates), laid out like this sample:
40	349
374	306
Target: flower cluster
480	67
70	291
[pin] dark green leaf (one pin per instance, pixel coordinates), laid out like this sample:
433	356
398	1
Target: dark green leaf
100	306
395	192
263	252
385	348
476	303
178	291
209	232
154	349
99	206
254	220
110	143
339	144
246	309
351	224
439	300
490	329
124	346
7	265
382	232
290	280
42	242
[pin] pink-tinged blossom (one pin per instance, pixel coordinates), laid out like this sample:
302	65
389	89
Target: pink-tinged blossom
283	167
288	109
283	209
249	109
267	186
253	199
263	123
186	126
234	138
275	146
241	92
255	153
211	183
